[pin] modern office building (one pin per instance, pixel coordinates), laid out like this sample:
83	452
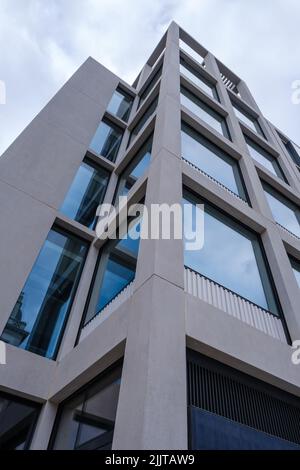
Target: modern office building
141	344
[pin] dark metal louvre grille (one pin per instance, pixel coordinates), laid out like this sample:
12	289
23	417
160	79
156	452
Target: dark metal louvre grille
228	397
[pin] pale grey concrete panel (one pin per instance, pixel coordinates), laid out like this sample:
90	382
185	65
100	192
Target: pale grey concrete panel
152	410
42	162
95	81
213	332
26	374
24	228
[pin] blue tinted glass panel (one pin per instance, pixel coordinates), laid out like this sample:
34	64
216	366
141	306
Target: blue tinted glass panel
38	318
248	120
210	159
116	277
120	105
204	112
106	141
264	158
114	274
197	79
85	194
136	169
296	269
284	211
138	127
231	256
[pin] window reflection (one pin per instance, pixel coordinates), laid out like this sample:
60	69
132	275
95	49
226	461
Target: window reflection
120	104
85	194
38	318
17	421
138	127
247	119
189	72
204	112
106	141
232	257
116	269
149	87
211	159
86	421
296	269
264	158
284	211
135	170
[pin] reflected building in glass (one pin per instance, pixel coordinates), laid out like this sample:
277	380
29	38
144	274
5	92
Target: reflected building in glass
133	343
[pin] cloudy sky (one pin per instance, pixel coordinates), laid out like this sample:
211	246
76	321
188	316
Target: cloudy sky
42	42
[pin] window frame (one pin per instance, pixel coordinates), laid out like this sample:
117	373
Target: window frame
200	75
68	233
104	376
123	177
248	115
237	173
258	249
125	94
278	171
98	276
206	108
150	83
133	135
96	166
114	126
37	411
295	265
268	188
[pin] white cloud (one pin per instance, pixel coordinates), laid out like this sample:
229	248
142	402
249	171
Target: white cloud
44	42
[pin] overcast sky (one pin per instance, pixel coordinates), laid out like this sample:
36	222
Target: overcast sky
42	42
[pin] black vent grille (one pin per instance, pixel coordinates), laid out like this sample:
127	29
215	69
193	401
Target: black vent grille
227	396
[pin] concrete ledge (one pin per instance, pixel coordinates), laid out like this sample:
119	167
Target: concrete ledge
222	337
26	375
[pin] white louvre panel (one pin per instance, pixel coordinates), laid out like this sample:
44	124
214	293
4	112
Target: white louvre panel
111	307
229	84
218	296
214	180
287	231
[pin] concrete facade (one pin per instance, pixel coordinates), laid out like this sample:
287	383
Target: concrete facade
154	326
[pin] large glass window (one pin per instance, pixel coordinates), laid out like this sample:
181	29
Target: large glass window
86	421
211	160
188	71
140	124
150	85
115	270
284	211
189	50
264	158
120	104
204	112
247	119
39	316
85	194
17	422
231	256
296	269
292	149
106	141
135	169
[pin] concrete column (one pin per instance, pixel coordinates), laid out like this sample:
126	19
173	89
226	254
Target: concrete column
152	409
44	427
